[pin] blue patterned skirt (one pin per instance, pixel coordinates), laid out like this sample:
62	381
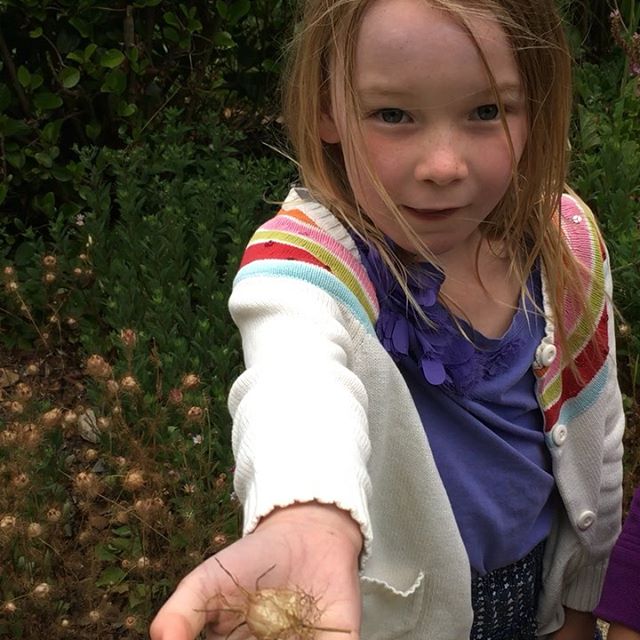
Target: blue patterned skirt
505	600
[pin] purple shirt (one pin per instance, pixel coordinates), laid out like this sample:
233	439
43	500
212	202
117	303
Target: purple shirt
620	601
477	402
488	444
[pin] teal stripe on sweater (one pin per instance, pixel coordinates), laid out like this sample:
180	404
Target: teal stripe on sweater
574	407
312	274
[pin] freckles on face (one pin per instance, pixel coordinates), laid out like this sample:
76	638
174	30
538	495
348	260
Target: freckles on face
432	129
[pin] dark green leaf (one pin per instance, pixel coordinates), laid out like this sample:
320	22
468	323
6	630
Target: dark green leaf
46	101
115	82
223	40
24	76
69	77
112	58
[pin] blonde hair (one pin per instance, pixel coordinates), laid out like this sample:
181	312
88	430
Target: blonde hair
526	222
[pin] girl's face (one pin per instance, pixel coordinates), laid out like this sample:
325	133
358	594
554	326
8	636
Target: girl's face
431	124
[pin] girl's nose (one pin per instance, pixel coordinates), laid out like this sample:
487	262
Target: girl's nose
441	160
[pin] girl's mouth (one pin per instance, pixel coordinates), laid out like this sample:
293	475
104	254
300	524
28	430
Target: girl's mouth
431	213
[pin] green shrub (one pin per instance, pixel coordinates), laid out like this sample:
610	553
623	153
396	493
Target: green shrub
119	477
84	72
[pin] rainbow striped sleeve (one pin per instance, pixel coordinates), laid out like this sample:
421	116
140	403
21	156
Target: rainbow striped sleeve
292	245
563	389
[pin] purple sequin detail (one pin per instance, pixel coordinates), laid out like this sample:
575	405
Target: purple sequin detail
442	353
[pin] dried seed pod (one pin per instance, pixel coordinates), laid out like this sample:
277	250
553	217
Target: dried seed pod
51	418
34	530
98	367
49	262
129	384
42	591
128	337
175	396
133	481
190	381
54	515
276	614
195	414
23	391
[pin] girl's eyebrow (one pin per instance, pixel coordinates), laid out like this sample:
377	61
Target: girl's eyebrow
512	90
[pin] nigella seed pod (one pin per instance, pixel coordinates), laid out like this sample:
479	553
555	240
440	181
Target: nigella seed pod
129	338
23	391
195	414
51	418
53	515
175	396
49	278
34	530
42	591
129	384
133	481
190	381
49	262
98	367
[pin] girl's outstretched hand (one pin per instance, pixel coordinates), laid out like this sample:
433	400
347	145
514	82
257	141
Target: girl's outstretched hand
311	547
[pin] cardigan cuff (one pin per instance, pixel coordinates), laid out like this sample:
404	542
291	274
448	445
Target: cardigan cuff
583	592
259	503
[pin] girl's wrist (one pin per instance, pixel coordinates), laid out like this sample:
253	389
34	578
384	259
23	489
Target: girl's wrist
321	517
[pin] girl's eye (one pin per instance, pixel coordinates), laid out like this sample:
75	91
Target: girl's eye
392	116
487	112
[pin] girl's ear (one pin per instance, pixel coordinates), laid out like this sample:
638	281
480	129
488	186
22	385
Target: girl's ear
328	130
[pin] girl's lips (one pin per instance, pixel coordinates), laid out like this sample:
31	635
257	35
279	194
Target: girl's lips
431	213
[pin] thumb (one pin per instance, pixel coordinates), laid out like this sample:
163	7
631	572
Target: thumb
184	614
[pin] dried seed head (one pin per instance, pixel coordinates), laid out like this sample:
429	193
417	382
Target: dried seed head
78	272
42	591
15	407
90	455
87	484
51	418
8	522
9	608
189	488
129	384
11	286
71	323
130	622
54	515
98	367
103	423
122	516
220	539
175	396
128	337
190	381
9	273
70	418
49	262
125	563
8	437
21	481
34	530
134	480
195	414
143	562
85	537
221	480
49	278
23	391
624	330
32	369
94	616
112	388
65	622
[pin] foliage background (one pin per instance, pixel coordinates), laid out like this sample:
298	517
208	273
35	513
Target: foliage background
135	160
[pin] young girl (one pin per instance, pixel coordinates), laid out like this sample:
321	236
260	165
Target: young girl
428	431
